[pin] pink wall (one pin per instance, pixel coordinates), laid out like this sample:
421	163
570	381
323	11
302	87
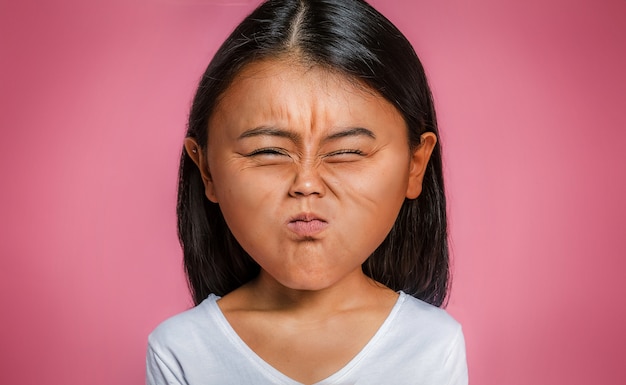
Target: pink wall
94	96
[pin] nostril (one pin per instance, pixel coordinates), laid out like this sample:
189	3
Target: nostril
305	186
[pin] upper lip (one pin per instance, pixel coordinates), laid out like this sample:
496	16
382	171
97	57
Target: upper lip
306	217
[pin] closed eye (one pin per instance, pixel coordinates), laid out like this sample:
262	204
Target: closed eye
271	151
345	155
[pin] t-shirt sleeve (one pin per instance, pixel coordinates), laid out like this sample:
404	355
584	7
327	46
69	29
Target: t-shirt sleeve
456	362
159	373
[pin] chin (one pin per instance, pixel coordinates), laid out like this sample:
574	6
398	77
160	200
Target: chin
308	282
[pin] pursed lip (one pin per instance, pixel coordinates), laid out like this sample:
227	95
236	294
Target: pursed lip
307	224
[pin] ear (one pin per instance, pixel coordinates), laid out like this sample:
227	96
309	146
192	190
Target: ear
419	161
195	153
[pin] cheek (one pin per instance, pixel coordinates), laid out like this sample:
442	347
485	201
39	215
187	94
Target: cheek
246	199
238	184
244	215
379	185
372	198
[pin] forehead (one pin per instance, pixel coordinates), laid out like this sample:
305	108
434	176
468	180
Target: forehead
268	75
290	92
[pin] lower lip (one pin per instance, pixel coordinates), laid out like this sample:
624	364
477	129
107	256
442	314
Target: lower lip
307	228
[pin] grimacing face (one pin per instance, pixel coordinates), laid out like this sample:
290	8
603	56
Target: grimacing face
309	170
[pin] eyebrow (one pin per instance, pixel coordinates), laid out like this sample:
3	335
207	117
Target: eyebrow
296	138
356	131
270	131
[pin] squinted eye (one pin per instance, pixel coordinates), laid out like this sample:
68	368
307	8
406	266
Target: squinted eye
346	155
267	151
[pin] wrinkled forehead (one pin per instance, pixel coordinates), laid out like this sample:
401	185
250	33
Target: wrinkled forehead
307	101
271	81
317	74
266	80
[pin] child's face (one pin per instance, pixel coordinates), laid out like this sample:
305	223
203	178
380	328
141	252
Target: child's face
309	170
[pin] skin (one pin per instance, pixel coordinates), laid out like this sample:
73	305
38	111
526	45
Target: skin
310	169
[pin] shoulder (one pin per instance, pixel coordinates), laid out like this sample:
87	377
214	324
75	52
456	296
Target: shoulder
425	324
194	347
429	341
420	314
183	327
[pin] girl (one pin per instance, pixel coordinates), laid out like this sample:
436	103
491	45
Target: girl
311	210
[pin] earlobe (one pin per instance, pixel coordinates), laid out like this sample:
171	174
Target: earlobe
419	162
195	153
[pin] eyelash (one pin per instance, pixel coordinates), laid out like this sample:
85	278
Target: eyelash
267	151
273	151
341	152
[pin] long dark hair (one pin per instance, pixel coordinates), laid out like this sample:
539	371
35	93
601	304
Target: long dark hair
351	37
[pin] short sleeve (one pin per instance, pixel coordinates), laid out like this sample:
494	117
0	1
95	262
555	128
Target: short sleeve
159	373
456	362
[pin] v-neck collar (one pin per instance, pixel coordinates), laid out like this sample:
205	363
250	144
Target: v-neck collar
277	376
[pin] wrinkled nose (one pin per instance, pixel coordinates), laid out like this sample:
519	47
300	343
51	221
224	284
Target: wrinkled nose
307	181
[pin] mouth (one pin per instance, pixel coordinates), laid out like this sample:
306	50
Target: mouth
307	225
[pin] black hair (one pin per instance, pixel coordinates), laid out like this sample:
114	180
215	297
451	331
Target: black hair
352	38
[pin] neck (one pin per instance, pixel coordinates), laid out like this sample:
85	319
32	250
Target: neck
354	292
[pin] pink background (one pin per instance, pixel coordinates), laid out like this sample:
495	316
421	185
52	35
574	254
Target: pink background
94	96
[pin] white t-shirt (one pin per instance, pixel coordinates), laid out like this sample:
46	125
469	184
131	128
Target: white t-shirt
417	344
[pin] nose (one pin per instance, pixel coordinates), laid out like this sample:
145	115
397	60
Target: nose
307	181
